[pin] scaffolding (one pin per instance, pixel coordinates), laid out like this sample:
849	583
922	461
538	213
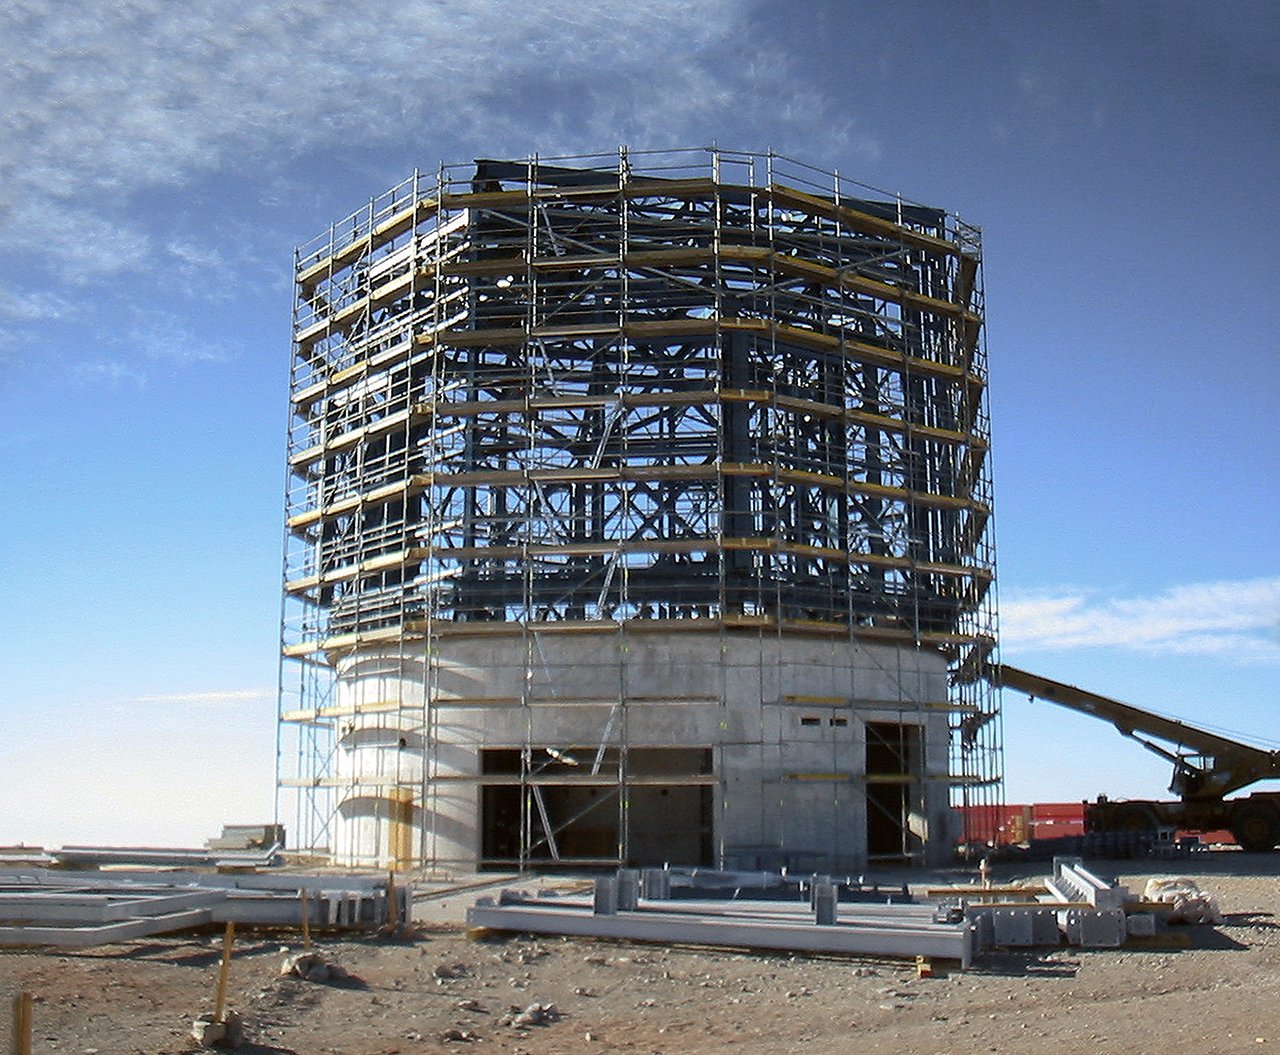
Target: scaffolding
697	390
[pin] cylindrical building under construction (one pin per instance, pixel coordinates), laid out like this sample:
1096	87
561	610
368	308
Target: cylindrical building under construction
638	513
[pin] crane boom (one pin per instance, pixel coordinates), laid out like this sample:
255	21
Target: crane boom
1218	767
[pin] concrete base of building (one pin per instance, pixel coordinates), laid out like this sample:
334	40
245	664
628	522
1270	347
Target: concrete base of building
719	747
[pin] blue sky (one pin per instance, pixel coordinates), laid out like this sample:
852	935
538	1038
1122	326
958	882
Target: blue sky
158	164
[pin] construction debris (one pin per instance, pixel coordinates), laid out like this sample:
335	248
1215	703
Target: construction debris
85	857
248	837
209	1032
313	966
825	925
42	907
1073	906
1076	906
1187	902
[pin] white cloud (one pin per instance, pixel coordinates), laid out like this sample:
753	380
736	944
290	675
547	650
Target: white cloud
1237	621
34	306
108	371
211	698
103	102
164	338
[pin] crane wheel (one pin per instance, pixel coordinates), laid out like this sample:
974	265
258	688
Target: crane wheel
1256	827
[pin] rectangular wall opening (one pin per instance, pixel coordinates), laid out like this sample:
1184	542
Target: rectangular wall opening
894	764
565	807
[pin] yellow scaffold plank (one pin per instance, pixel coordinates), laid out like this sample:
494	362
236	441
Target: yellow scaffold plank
341	320
860	221
705	471
382	562
540	403
342	643
315	714
390	228
354	437
392	492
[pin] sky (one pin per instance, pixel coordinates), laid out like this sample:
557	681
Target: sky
159	162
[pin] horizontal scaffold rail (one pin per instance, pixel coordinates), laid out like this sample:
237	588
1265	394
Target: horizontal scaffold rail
420	413
533	550
419	708
421	629
312	271
765	260
585	780
832	343
644	473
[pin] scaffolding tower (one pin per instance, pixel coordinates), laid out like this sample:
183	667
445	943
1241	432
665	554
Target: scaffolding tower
699	390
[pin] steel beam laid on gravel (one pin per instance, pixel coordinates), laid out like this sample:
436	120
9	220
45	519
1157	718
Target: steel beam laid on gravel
950	941
100	907
1073	882
104	934
782	911
40	907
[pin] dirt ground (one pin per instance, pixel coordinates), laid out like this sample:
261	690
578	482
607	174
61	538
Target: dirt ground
1219	992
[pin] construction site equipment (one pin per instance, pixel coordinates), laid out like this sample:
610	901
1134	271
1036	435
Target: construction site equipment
1207	767
41	907
904	931
1073	906
239	856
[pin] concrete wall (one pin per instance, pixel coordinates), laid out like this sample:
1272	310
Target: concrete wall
785	719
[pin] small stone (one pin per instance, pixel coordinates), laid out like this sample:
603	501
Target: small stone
536	1015
446	971
455	1034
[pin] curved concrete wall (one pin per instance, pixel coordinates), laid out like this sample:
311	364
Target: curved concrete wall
784	717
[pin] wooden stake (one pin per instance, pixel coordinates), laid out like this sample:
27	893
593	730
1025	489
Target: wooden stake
393	908
224	973
306	917
22	1023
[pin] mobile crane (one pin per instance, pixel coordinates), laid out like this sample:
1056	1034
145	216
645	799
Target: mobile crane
1206	768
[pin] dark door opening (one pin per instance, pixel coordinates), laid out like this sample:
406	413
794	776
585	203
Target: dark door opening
893	768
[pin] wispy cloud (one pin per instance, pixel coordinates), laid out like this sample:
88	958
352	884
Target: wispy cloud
1237	621
34	305
211	698
97	372
103	103
164	338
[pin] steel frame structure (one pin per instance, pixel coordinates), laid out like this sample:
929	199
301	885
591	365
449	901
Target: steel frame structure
696	389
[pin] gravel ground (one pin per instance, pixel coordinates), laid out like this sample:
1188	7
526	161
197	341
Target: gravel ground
1217	990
